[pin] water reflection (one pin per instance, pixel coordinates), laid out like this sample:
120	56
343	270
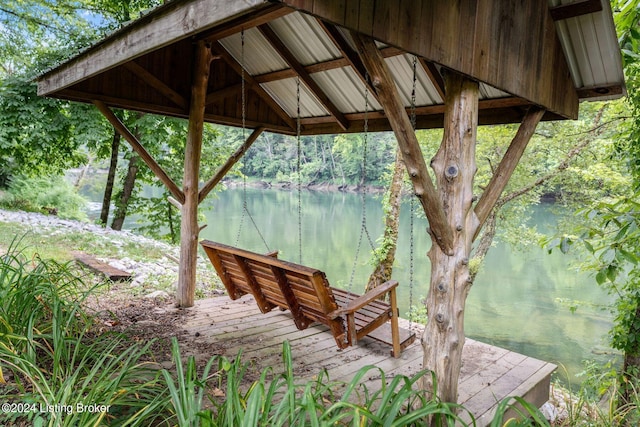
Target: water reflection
518	301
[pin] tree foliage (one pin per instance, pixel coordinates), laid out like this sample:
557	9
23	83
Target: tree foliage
608	233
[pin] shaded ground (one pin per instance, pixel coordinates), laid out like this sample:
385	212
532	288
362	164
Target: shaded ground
151	319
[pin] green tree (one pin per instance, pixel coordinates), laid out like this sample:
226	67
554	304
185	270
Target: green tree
608	234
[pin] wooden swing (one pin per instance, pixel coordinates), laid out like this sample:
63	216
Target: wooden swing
305	291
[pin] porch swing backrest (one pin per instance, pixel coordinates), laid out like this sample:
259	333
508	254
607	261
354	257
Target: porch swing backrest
306	293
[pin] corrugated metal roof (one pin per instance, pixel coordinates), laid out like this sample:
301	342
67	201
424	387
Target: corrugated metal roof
587	42
346	90
259	56
305	39
308	42
133	70
285	92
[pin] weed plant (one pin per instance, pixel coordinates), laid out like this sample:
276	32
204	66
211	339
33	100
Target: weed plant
53	361
281	400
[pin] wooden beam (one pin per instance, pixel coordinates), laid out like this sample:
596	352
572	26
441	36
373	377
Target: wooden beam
577	8
507	165
601	91
350	55
222	172
260	17
189	229
492	41
331	64
167	24
293	62
434	75
223	93
411	153
250	81
156	84
140	150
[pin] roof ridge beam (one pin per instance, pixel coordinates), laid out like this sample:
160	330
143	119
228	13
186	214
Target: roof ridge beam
262	16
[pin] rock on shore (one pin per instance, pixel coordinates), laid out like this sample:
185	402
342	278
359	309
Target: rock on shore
145	272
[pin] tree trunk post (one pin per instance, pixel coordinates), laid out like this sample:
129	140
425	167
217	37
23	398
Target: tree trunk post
189	224
455	167
111	176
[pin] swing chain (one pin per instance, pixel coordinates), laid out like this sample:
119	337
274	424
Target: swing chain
245	208
412	199
363	225
299	172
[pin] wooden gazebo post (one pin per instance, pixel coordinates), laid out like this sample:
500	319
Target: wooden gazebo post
448	205
189	230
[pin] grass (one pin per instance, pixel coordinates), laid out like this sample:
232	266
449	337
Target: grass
58	245
54	360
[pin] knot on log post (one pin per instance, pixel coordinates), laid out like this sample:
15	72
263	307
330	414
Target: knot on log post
451	172
442	288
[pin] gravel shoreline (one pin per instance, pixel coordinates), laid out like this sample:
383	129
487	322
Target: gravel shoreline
145	272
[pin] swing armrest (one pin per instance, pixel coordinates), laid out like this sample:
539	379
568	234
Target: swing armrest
273	254
359	302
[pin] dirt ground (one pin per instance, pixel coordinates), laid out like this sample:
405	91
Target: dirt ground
149	319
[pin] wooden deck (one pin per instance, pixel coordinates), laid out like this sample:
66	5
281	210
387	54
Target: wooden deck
488	373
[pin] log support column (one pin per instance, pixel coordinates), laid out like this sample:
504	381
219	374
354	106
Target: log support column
189	226
455	166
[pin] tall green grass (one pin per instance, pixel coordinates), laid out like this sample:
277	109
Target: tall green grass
56	362
53	358
277	400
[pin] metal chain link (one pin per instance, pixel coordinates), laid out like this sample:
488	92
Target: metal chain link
363	224
412	199
245	208
299	172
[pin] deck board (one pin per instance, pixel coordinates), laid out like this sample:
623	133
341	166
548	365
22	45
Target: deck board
488	373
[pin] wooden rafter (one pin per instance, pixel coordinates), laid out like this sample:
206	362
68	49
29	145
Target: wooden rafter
507	165
434	75
411	153
234	26
577	8
227	91
349	54
331	64
151	80
140	150
224	169
293	62
595	92
250	81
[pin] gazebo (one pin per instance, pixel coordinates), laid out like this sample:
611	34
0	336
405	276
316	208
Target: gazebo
479	62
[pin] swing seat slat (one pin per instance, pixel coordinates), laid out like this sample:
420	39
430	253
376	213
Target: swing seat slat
306	293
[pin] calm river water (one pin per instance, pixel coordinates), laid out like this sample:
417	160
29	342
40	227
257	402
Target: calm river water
520	300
